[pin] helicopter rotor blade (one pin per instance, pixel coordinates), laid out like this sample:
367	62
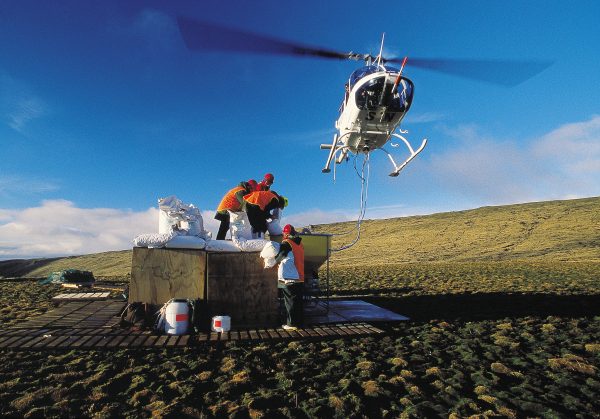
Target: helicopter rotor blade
503	72
208	36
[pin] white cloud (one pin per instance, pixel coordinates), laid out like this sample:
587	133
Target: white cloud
17	184
58	228
18	105
424	117
563	163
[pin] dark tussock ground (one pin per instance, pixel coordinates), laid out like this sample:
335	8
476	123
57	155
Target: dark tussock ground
505	321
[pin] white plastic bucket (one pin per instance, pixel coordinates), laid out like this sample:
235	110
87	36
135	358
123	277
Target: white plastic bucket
221	324
177	317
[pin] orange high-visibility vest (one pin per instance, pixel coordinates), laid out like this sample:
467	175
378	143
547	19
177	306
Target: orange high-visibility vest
298	251
260	198
230	202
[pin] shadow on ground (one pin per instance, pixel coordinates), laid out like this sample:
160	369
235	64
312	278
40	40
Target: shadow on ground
22	267
491	306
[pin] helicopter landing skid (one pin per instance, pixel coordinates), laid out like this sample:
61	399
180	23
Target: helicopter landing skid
413	154
333	148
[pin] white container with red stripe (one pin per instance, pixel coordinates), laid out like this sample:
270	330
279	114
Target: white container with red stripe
221	324
177	317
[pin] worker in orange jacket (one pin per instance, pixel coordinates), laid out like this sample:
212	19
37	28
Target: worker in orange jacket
232	201
258	205
292	288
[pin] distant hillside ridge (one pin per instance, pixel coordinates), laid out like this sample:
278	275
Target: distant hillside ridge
567	230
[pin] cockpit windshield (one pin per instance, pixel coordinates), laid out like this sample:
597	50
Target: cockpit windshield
380	92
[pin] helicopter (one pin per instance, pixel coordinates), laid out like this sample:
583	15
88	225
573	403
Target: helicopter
377	96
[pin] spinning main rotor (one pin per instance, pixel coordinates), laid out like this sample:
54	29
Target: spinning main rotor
203	36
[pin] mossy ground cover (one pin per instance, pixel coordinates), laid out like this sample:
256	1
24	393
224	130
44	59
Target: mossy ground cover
510	339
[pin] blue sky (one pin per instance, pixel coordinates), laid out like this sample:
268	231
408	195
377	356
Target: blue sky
103	111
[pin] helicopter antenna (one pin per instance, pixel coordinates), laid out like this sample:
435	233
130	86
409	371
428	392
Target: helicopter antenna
380	50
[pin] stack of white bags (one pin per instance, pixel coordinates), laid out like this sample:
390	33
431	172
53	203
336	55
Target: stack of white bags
180	226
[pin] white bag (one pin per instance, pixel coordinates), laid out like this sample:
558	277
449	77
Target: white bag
174	215
221	246
153	240
268	254
186	242
255	245
239	225
287	269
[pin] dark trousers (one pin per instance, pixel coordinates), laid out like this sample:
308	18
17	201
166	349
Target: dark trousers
292	298
224	227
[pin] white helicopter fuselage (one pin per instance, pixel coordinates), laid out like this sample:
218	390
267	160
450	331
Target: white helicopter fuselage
363	128
377	99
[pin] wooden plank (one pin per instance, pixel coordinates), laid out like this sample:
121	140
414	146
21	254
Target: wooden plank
93	341
115	341
139	340
33	341
298	333
284	334
183	340
81	341
68	341
360	329
20	341
335	331
273	334
234	335
8	342
55	342
253	334
373	328
315	331
214	336
128	340
45	341
172	341
311	332
161	340
341	330
151	340
157	275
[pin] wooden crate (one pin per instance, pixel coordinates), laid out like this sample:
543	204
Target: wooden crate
233	284
237	285
157	275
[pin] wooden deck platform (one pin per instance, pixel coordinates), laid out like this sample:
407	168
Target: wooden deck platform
95	325
81	296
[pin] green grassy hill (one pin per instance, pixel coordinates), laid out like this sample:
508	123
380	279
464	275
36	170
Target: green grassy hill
535	232
541	231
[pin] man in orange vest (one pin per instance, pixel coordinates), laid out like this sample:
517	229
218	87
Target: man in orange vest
232	201
292	288
258	205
